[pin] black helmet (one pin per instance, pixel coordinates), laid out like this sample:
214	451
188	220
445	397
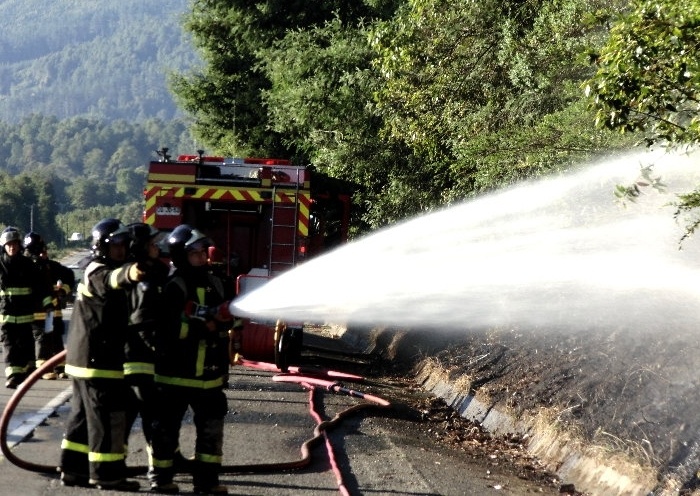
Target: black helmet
183	239
105	232
34	244
10	234
141	233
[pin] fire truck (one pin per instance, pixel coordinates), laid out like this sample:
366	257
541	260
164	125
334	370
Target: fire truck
264	216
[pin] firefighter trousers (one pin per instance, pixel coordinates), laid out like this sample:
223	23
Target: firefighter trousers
93	445
141	402
18	347
48	344
209	408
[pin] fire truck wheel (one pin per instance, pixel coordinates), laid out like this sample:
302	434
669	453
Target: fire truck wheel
287	347
281	345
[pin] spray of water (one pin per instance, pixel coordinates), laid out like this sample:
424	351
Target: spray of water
559	253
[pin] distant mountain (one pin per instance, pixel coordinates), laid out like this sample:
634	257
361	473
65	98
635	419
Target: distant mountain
103	59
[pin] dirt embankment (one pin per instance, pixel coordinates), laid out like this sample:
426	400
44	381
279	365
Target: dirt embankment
614	412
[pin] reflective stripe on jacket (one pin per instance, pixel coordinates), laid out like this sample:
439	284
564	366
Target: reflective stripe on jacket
95	347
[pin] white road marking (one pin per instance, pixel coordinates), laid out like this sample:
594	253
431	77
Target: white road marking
21	428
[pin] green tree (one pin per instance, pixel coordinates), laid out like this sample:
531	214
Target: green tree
418	106
320	100
224	96
648	76
489	92
51	167
130	182
126	156
648	81
12	205
94	162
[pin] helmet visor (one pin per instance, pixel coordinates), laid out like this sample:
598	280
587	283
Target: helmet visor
197	241
120	236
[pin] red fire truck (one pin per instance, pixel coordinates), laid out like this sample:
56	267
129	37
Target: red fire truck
264	215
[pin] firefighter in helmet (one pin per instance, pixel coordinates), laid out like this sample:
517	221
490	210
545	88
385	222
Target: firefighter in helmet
93	450
191	365
145	305
22	290
49	327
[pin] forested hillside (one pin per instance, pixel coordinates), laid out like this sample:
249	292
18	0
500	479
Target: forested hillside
84	104
62	176
106	60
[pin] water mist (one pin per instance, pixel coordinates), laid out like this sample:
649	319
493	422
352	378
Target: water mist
560	252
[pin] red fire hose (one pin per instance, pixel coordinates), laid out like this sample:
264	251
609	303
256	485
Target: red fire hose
310	371
10	409
315	380
311	383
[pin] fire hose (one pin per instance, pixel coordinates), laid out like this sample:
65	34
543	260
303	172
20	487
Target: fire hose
314	380
12	405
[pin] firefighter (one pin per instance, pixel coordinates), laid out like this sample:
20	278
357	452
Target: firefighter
22	291
48	335
93	450
191	365
146	304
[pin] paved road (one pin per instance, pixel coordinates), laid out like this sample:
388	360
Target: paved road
267	423
376	450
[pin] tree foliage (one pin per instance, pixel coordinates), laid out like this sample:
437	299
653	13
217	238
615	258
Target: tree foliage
489	92
648	76
418	102
319	100
648	81
225	95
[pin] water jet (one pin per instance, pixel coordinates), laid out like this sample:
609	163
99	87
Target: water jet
559	252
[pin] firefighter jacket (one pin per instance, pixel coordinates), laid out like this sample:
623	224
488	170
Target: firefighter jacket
146	305
192	351
23	289
97	336
60	279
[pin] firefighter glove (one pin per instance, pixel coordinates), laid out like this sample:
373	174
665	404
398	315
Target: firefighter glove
222	312
135	273
58	288
200	312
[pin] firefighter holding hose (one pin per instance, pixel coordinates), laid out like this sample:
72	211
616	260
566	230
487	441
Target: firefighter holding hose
145	305
191	365
93	450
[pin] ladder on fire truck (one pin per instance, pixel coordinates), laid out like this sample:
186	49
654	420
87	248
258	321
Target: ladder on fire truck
283	229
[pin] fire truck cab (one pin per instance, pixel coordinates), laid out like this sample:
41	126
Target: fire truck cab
264	216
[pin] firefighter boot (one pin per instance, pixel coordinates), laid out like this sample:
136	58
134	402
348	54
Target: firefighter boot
124	485
72	480
206	479
162	481
217	489
13	381
182	464
166	488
